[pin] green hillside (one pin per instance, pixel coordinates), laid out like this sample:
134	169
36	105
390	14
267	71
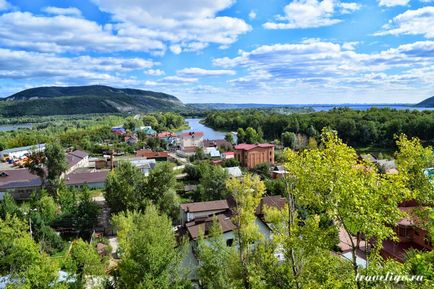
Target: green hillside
85	99
429	102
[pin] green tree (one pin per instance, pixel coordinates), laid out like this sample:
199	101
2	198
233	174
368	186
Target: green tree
212	183
216	260
36	165
83	263
241	135
56	165
358	199
412	159
252	136
229	137
125	188
289	139
21	258
147	246
247	194
160	188
151	121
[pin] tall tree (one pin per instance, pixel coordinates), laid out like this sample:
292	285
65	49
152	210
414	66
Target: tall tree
21	258
216	260
56	165
212	183
125	188
36	165
247	194
229	137
412	160
160	188
358	199
83	263
149	258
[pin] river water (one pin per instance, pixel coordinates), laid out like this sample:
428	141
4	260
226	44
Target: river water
208	132
9	127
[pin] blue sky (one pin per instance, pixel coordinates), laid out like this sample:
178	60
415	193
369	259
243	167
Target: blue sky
256	51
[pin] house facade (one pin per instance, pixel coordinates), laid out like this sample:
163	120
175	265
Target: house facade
197	218
191	139
251	155
411	235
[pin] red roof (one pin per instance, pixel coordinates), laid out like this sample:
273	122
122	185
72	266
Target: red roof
151	154
247	147
166	134
229	153
192	134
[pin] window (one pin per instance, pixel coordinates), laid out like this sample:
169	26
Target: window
229	242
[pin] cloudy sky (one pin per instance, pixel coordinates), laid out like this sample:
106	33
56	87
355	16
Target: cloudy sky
257	51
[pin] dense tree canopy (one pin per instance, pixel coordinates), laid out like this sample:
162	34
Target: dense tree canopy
356	127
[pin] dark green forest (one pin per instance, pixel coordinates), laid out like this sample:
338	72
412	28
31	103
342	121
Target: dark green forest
373	127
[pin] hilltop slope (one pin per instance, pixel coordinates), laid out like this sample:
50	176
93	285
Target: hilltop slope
85	99
429	102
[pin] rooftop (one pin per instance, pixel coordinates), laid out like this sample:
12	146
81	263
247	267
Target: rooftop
151	154
86	178
26	148
205	206
247	147
10	179
75	157
192	134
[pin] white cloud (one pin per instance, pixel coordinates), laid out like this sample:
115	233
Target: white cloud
72	11
176	49
64	33
4	5
177	79
179	23
198	72
155	72
311	14
412	22
252	15
27	66
319	68
391	3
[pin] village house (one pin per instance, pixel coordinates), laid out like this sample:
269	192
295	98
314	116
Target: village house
278	172
218	143
147	130
19	183
149	154
234	172
19	152
212	152
119	130
198	217
411	232
91	179
228	155
190	139
144	165
251	155
76	159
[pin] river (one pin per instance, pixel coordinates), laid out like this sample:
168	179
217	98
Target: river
208	132
10	127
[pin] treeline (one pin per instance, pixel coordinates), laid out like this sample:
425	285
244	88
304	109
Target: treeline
373	127
88	133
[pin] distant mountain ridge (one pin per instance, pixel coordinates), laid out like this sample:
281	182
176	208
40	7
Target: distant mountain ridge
429	102
56	100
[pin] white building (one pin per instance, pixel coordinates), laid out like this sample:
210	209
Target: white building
19	152
190	139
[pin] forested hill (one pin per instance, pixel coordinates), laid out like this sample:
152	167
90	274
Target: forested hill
85	99
429	102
